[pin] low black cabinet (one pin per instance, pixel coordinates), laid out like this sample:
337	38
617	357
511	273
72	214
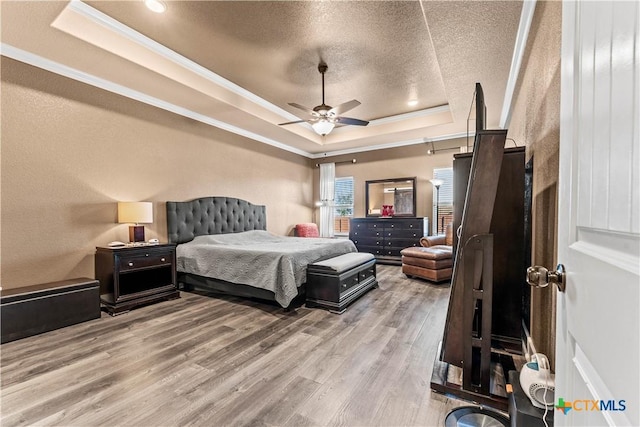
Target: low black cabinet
386	237
135	275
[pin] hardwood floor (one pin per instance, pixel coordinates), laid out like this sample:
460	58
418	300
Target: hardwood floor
213	362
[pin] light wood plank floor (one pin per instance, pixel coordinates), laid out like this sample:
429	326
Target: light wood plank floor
209	361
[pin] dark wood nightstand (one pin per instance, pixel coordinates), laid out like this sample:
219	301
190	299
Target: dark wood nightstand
135	275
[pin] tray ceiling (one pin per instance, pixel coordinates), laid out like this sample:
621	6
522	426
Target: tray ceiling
237	64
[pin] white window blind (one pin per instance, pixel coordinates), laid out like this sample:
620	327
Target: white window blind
443	200
343	203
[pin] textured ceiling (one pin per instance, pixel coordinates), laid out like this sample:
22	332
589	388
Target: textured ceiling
382	53
273	49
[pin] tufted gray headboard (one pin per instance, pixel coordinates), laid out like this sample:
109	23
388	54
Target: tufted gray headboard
212	215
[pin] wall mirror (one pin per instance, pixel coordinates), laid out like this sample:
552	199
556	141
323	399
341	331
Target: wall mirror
397	193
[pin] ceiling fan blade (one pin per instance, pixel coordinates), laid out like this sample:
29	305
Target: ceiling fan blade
290	123
351	121
303	108
344	107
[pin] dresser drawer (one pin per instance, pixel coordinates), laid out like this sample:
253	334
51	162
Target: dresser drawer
402	242
367	273
150	259
405	234
413	224
365	232
376	250
368	241
349	282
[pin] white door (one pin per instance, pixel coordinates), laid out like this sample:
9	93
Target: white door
598	327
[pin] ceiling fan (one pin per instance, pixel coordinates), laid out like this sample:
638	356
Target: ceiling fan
323	118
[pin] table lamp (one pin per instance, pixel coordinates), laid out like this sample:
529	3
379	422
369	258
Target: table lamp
137	213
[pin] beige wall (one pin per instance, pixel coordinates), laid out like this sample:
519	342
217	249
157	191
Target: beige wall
401	162
70	151
536	123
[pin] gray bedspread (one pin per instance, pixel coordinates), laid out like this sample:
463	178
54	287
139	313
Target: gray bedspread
259	259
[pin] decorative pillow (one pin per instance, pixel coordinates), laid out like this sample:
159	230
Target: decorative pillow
308	229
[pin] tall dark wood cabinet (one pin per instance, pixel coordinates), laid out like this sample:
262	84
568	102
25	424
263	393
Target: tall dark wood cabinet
386	237
508	229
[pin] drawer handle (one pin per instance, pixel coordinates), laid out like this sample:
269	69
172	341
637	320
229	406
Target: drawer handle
392	225
344	285
355	241
130	264
162	259
146	254
410	225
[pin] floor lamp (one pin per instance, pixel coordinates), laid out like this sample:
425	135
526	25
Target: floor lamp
437	183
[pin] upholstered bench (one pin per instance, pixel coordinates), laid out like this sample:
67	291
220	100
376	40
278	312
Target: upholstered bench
41	308
433	263
337	282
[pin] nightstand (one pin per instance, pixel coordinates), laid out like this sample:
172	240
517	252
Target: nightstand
136	275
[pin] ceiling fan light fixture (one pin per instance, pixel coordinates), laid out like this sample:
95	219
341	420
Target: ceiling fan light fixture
323	127
157	6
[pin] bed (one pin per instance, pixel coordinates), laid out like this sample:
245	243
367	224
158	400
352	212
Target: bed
223	246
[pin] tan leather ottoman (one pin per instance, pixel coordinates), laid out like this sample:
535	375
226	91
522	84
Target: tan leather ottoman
433	263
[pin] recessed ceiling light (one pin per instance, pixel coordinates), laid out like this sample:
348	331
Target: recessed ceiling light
412	103
156	6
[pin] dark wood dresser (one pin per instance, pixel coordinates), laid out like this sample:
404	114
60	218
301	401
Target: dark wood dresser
386	237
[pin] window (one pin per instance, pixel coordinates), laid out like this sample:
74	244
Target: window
343	204
443	200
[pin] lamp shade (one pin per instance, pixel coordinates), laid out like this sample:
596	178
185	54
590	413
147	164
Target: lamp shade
323	127
436	182
135	212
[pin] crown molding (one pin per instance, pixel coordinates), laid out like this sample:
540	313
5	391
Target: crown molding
391	145
526	16
411	115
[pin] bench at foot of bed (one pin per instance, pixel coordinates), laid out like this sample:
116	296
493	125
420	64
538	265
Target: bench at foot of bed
337	282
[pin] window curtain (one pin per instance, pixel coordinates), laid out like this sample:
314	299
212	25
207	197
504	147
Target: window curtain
327	193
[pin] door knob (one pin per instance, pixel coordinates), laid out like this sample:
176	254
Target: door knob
540	277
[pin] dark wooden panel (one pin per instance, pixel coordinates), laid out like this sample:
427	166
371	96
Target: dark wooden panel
508	228
477	215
